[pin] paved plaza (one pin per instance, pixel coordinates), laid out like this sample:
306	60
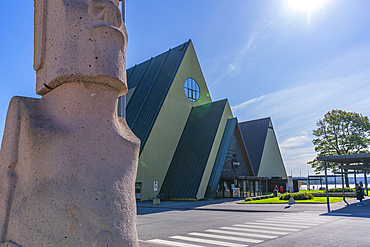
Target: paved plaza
266	224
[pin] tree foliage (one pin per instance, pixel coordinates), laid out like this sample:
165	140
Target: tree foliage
340	133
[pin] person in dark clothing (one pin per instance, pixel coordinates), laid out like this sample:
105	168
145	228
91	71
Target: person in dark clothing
276	189
359	194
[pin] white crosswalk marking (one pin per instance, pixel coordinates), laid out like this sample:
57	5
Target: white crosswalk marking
171	243
301	220
269	228
200	240
255	230
306	216
292	224
248	234
225	237
266	223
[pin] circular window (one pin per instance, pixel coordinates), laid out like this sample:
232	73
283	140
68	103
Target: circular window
191	88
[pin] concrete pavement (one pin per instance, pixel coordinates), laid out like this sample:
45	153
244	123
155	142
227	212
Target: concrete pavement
340	208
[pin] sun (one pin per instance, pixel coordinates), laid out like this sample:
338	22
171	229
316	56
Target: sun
306	5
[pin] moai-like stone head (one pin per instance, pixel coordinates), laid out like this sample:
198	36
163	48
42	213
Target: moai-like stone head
79	41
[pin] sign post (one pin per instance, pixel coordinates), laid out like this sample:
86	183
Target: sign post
290	182
156	201
155	188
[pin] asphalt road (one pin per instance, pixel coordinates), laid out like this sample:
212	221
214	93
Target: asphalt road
194	228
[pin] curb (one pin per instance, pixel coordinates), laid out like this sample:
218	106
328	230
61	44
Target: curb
223	210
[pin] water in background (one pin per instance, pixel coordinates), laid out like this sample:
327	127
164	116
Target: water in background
317	186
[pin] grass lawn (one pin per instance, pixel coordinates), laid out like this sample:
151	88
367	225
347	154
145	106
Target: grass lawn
315	200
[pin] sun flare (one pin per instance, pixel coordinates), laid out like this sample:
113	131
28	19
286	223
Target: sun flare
307	5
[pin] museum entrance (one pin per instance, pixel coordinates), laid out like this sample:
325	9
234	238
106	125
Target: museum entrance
241	187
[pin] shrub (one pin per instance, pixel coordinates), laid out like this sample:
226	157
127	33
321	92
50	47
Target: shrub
340	190
297	196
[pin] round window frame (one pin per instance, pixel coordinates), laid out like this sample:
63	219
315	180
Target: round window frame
193	94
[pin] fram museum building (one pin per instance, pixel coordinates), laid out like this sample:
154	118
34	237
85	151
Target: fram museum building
191	146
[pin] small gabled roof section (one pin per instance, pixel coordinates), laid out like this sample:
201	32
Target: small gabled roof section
232	127
254	134
189	161
152	80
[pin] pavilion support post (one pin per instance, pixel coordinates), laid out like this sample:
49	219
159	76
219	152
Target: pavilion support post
308	181
367	190
335	181
354	172
341	171
327	187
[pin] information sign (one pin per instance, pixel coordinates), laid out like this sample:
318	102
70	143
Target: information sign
155	186
236	192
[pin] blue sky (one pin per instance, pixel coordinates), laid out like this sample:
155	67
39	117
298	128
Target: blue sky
268	58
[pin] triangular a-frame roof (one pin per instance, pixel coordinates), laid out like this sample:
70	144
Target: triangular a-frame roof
254	134
232	127
189	161
152	80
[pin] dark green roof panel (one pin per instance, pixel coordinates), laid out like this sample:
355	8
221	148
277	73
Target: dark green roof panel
152	79
190	158
136	73
220	158
128	75
231	134
254	134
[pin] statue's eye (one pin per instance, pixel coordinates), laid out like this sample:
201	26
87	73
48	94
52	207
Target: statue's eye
106	11
97	11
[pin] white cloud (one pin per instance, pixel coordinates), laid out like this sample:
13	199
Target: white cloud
294	142
246	103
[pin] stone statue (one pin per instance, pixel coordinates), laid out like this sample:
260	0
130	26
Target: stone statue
68	162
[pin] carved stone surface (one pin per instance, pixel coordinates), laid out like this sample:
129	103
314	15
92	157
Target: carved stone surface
67	161
79	40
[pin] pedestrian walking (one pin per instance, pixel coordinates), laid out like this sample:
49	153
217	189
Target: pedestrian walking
276	189
359	194
362	187
281	189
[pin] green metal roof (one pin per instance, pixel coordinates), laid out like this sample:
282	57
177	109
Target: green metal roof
152	79
190	158
220	158
231	127
254	134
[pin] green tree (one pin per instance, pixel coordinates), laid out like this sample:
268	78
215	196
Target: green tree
340	133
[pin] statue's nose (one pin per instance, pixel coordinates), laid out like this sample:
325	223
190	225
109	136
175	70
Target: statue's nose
106	11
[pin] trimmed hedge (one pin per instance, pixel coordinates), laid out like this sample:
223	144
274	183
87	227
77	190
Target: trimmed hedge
258	198
297	196
346	189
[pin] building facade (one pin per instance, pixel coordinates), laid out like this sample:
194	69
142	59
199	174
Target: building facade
191	147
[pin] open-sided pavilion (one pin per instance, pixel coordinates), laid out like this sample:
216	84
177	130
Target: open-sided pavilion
356	162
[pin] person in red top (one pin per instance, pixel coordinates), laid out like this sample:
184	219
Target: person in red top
281	189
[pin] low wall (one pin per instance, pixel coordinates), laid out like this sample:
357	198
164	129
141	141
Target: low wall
335	194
